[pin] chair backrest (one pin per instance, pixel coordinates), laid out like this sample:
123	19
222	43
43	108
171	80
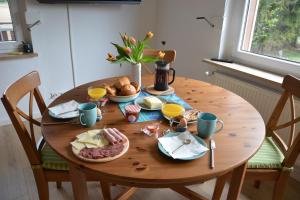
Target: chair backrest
291	86
170	56
28	84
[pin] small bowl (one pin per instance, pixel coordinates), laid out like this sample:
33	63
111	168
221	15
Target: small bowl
123	99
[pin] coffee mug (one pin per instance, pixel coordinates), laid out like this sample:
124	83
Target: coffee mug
87	114
207	124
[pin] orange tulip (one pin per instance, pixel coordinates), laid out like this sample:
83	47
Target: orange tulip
125	37
161	54
132	40
149	35
111	57
127	50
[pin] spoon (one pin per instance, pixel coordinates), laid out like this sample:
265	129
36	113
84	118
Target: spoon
186	141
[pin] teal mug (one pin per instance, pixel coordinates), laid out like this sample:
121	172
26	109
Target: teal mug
207	124
87	114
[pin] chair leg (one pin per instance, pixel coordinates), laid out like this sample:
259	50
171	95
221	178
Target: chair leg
58	184
257	184
280	185
219	186
41	184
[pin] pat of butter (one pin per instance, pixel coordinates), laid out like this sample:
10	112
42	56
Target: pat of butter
152	102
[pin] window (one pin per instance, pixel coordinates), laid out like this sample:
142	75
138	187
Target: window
12	25
272	28
6	25
262	34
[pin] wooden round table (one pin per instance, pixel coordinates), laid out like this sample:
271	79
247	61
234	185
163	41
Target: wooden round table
143	165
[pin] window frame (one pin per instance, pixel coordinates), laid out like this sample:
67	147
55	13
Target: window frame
9	46
234	25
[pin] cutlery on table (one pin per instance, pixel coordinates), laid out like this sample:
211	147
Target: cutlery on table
212	156
186	141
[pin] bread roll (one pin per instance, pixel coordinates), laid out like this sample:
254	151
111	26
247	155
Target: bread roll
127	90
111	90
136	85
121	82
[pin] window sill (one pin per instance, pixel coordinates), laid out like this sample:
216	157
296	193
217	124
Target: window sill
250	72
7	56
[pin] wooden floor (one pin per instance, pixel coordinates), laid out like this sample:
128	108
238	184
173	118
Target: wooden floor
17	182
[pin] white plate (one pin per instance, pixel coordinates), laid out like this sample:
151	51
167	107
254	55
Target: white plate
65	116
140	101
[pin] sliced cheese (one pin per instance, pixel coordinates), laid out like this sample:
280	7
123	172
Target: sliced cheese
88	139
77	145
90	145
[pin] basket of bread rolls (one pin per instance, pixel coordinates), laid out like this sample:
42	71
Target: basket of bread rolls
122	90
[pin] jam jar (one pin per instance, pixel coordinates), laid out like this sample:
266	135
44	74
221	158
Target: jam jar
132	113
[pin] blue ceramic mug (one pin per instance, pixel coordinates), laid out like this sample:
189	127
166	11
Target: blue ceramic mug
87	114
207	124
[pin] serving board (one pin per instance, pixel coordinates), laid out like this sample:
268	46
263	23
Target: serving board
150	89
106	159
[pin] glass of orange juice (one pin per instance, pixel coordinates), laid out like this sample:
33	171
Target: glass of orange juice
172	110
96	92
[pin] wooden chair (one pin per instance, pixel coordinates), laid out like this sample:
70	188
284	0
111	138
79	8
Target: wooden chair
170	56
275	159
46	165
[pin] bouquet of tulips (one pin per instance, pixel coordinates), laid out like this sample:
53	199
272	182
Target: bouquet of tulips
133	51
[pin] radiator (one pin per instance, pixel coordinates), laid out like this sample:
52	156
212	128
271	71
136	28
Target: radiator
264	100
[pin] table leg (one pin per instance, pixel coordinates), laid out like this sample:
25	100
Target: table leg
236	182
78	180
105	187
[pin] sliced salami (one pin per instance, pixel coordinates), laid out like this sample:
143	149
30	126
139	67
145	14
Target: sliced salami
102	152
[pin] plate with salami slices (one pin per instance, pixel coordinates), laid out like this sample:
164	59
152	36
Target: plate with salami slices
100	145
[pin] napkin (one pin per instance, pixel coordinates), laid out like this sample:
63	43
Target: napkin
65	110
187	150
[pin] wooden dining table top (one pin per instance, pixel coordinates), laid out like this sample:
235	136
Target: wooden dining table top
144	164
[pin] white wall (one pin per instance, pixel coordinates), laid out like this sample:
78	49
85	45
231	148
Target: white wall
192	39
93	27
90	48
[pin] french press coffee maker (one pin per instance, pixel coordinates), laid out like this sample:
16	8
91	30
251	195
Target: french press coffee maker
162	72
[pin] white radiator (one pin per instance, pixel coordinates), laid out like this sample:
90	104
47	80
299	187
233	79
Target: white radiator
263	100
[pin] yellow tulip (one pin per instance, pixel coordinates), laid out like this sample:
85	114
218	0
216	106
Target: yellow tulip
161	54
149	35
111	57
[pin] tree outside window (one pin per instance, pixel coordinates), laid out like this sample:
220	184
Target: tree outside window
273	29
6	25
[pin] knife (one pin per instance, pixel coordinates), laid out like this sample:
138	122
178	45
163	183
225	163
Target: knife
212	159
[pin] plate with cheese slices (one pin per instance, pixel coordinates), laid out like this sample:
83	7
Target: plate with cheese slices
100	145
150	102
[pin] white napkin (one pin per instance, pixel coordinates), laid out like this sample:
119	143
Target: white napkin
187	150
65	110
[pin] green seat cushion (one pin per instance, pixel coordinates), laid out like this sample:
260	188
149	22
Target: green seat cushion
268	156
53	161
